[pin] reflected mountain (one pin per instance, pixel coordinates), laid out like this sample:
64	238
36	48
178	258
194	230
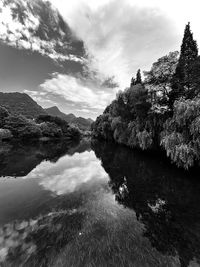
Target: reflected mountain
19	159
165	200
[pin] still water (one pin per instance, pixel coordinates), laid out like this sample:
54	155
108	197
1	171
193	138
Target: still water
95	204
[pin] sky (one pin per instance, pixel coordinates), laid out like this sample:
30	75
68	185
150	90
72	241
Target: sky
112	39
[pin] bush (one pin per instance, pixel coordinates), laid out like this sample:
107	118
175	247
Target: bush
57	127
64	126
3	114
180	136
50	129
22	127
137	101
144	139
127	119
102	127
73	132
30	131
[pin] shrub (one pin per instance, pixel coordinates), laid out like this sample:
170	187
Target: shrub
22	127
180	136
73	132
50	129
144	139
3	114
30	131
64	126
102	127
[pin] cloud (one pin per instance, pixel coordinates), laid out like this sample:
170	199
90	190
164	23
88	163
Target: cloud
69	173
121	36
124	35
22	34
84	94
40	97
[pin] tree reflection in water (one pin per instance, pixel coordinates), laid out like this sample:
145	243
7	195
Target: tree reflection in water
154	219
165	200
19	159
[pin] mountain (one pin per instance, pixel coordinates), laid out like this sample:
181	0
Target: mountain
54	111
82	123
20	103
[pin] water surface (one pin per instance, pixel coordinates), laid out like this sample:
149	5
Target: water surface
65	204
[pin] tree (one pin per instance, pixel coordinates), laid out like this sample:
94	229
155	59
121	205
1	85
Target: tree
138	77
3	114
194	79
158	79
21	127
180	136
137	101
132	82
181	82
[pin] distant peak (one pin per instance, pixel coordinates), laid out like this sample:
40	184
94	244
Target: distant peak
53	108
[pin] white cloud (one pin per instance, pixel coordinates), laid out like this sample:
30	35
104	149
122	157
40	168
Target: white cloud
120	36
83	93
40	97
15	33
69	173
124	35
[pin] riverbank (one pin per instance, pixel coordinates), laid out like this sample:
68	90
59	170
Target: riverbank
163	111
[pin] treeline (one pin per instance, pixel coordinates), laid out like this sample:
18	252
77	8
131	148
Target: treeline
161	112
19	127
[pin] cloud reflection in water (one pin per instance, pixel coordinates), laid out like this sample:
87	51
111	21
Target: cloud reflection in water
68	174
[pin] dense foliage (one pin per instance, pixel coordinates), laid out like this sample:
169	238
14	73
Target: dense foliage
181	133
163	112
182	81
82	123
18	126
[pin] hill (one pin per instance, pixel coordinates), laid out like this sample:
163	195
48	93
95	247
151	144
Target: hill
82	123
20	103
54	111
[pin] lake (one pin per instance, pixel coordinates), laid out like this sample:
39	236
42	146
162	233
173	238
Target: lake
95	204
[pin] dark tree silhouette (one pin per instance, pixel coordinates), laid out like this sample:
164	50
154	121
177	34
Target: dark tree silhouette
181	82
132	82
138	77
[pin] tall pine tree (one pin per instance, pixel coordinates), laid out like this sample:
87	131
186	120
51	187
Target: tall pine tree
181	82
132	82
138	77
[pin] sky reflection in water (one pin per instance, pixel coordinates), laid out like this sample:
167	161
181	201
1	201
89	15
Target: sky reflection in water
102	207
69	173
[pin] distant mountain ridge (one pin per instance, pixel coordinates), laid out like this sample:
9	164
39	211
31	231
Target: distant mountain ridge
82	123
54	111
20	103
